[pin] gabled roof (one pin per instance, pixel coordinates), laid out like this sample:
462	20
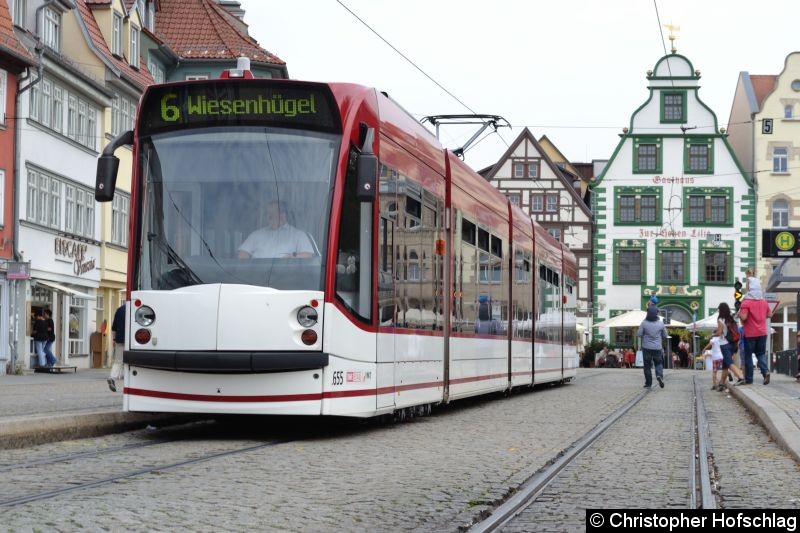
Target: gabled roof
559	173
201	29
9	43
140	77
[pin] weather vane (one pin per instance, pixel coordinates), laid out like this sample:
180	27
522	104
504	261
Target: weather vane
672	29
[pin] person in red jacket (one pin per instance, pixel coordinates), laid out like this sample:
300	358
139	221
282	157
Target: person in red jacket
754	314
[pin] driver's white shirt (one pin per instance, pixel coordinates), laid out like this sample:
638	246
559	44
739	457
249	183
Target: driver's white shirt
285	241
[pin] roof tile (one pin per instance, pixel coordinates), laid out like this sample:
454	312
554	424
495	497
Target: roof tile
201	29
762	86
8	39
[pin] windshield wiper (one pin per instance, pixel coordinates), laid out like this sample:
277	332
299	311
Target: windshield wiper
181	276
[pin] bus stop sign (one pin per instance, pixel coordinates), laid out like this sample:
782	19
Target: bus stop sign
780	242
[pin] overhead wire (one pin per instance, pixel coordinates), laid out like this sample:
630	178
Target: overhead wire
401	54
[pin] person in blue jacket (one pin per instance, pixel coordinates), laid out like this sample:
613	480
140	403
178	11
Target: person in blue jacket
118	329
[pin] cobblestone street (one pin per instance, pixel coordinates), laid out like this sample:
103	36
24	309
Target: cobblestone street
437	473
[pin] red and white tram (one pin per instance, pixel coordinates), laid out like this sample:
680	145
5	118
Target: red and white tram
309	248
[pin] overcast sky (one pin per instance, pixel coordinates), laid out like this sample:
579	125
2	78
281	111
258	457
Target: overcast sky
573	70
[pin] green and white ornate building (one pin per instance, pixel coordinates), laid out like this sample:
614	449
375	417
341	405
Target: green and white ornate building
674	210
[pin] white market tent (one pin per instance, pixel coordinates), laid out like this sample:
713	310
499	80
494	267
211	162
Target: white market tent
709	323
630	319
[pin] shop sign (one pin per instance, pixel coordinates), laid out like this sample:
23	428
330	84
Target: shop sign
18	270
77	252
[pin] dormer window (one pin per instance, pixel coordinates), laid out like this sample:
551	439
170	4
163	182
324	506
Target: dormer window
116	35
150	20
52	29
19	12
134	59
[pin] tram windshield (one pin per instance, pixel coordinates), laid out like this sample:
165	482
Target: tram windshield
241	205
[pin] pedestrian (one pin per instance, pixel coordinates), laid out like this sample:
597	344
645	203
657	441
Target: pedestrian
727	332
40	337
51	338
716	359
653	333
797	347
683	353
118	329
754	313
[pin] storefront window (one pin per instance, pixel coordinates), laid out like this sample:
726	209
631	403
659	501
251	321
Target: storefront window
77	326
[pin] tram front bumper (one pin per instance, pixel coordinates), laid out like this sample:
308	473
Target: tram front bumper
226	362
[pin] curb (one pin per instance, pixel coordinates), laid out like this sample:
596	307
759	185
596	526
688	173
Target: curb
777	423
19	432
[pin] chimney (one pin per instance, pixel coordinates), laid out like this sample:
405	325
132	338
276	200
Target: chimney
233	7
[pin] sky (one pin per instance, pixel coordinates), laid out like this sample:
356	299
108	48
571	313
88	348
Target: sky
574	70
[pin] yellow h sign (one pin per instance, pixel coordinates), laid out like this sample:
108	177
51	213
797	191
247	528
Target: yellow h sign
784	241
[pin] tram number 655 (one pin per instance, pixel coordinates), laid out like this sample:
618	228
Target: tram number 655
338	378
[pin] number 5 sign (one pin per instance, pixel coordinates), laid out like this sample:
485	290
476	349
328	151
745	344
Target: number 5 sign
766	126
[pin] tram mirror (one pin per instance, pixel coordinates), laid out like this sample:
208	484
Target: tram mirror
106	180
107	166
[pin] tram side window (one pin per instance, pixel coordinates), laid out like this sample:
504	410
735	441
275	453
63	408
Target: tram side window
522	325
468	232
386	231
484	259
408	250
467	278
548	321
354	255
431	267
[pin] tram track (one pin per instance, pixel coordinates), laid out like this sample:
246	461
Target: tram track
73	487
527	493
701	463
701	476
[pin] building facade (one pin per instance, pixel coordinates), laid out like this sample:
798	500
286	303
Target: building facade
14	62
551	195
764	130
110	49
674	210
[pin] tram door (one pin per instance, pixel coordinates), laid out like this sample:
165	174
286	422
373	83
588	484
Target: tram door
386	285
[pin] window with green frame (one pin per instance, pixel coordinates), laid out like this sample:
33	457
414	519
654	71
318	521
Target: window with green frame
716	266
629	262
716	262
672	262
637	205
707	206
673	266
698	156
647	155
673	106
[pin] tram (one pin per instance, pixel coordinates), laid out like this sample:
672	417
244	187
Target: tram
310	249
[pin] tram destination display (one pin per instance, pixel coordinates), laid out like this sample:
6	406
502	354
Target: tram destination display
238	103
780	242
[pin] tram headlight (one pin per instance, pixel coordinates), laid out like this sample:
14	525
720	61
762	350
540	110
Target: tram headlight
307	316
145	316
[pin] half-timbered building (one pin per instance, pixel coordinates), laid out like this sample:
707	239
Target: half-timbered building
551	194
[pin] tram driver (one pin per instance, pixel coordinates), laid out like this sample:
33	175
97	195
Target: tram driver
278	238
